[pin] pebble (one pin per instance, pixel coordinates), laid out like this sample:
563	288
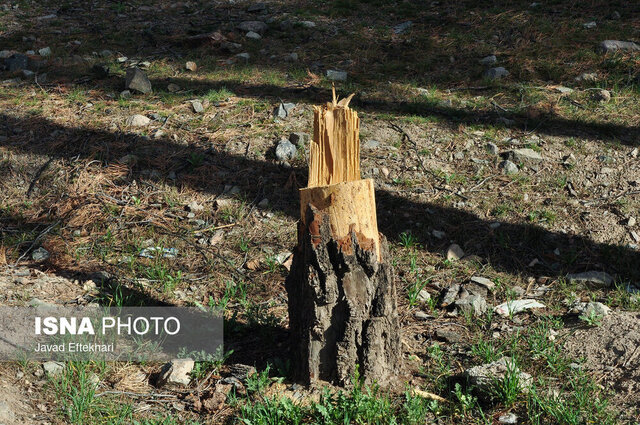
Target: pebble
177	371
609	46
255	26
587	76
285	150
602	96
474	304
523	155
450	295
334	75
423	296
516	306
492	148
403	27
421	315
508	167
172	88
283	110
4	54
138	120
488	60
438	234
308	24
589	25
194	206
125	94
371	144
137	80
631	221
253	35
52	368
244	56
257	7
454	252
40	254
590	308
191	66
483	281
17	62
45	51
448	335
564	90
508	419
596	277
496	73
300	139
197	106
291	57
483	377
106	53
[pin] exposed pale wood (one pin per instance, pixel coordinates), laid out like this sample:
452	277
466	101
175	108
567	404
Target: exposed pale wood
334	153
349	206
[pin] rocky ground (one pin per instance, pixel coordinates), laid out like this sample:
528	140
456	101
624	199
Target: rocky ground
503	141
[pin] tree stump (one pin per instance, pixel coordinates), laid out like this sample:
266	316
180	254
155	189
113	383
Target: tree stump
342	297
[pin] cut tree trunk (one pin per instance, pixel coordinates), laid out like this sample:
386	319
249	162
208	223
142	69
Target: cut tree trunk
342	298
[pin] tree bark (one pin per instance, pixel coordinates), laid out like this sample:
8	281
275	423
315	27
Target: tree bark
342	297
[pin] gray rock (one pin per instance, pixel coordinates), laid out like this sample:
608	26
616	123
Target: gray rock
4	54
291	57
264	203
508	419
600	278
564	90
245	56
285	150
483	281
516	306
138	120
590	25
454	252
17	62
172	88
253	35
283	110
474	304
45	51
488	60
257	7
421	315
587	76
197	106
403	27
177	371
508	167
493	149
589	308
602	96
230	47
52	369
308	24
125	94
191	66
483	378
334	75
438	234
194	206
448	335
106	53
137	80
496	73
242	371
40	254
423	296
371	144
300	139
450	295
523	155
255	26
609	46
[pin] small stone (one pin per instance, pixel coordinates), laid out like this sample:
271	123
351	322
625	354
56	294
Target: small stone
602	96
523	155
197	106
137	80
122	59
138	120
125	94
564	90
177	371
106	53
194	206
4	54
488	60
40	254
474	304
191	66
245	56
450	295
516	306
609	46
492	148
371	144
284	110
483	281
484	377
52	369
454	252
496	73
264	203
253	35
255	26
423	296
172	88
448	335
17	62
308	24
587	76
242	371
300	139
508	419
257	7
596	277
45	51
438	234
634	153
385	172
28	74
589	25
402	28
591	308
89	286
421	315
291	57
508	167
285	150
334	75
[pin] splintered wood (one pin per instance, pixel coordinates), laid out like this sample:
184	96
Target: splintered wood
334	153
